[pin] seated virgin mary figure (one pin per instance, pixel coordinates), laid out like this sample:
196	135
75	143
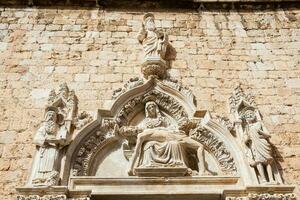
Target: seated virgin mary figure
161	145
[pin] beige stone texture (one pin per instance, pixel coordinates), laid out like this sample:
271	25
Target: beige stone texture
96	51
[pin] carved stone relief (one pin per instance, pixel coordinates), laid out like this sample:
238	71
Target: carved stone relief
165	101
53	134
217	148
161	146
155	44
238	96
86	151
132	83
254	137
155	123
182	89
45	197
65	100
83	119
49	197
265	196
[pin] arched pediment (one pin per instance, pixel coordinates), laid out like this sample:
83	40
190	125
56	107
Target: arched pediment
169	95
100	136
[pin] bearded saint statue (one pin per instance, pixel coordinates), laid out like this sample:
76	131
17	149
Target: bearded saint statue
48	144
259	147
154	42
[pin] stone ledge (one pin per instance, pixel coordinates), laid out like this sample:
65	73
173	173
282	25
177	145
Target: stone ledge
46	190
153	186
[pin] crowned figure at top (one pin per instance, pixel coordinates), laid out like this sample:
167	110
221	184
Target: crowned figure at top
154	41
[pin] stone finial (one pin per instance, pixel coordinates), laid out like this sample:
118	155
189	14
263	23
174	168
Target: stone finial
238	96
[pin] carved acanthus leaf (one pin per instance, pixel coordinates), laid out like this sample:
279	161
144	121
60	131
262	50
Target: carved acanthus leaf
108	127
165	101
224	121
216	147
90	146
239	95
68	105
175	84
132	83
82	119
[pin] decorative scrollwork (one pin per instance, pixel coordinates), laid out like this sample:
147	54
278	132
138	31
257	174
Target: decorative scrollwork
49	197
165	101
267	196
45	197
83	119
217	148
132	83
175	84
85	152
224	121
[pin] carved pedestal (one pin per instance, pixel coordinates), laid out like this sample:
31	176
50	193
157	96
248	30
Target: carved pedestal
161	172
154	66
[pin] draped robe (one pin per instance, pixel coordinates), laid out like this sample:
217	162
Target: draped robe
47	154
153	44
260	147
162	154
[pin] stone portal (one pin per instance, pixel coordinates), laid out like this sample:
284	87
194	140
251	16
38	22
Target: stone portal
153	143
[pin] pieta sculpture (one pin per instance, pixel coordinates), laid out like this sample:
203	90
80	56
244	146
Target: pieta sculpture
160	144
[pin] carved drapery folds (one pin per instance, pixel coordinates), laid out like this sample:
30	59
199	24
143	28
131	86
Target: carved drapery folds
254	137
53	135
155	43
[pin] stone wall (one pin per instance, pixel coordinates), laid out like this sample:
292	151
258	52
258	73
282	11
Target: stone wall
96	51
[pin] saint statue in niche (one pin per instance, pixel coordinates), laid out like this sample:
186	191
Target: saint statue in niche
154	42
49	140
160	144
259	147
